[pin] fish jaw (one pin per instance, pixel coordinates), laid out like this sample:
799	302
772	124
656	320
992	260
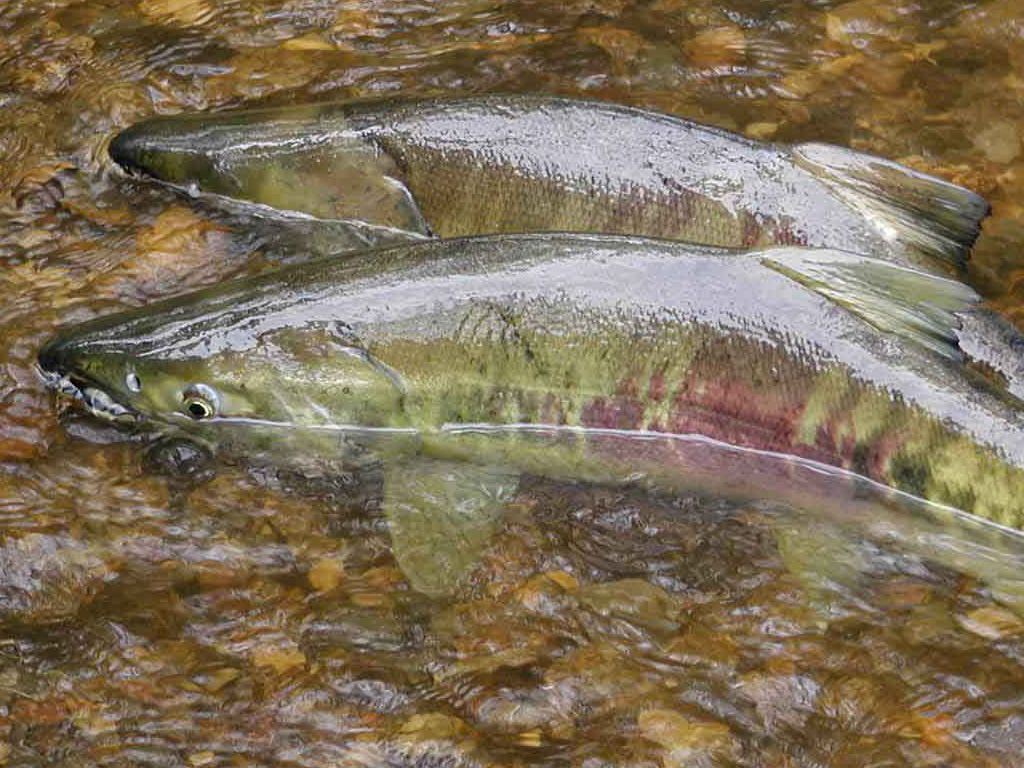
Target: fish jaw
95	375
74	387
90	381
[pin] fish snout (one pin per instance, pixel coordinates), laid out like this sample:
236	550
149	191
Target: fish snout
51	358
148	150
57	364
127	150
57	372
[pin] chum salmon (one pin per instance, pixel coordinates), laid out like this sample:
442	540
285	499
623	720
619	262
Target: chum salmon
580	356
494	164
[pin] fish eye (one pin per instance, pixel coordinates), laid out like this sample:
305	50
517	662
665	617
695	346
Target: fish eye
132	382
198	408
200	402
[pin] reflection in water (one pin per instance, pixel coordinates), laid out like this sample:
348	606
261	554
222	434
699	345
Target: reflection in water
262	619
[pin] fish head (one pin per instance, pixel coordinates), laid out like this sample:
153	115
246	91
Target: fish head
170	150
306	160
124	386
234	154
203	366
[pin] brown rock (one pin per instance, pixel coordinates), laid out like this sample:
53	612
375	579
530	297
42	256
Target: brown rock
999	141
279	658
781	699
433	725
186	13
686	740
906	594
716	47
622	45
326	574
310	42
991	621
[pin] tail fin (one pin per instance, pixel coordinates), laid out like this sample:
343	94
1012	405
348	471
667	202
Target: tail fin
995	345
901	300
927	215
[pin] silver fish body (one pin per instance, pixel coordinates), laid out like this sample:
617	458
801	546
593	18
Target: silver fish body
575	355
491	164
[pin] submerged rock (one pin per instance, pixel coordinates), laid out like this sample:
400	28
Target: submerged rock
48	578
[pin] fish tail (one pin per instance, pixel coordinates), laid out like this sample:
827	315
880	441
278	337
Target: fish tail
917	305
931	217
995	347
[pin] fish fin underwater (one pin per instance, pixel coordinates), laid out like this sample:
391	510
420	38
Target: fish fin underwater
441	516
927	215
296	236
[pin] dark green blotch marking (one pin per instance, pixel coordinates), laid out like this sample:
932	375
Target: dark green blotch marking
909	475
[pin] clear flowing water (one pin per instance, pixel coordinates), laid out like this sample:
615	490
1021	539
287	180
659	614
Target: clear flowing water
263	620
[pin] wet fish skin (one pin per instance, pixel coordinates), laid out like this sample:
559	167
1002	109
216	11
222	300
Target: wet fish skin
447	348
489	164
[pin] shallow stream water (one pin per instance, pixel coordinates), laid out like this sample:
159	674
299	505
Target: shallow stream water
262	620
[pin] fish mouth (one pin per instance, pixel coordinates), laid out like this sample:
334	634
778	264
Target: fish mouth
124	151
132	169
77	393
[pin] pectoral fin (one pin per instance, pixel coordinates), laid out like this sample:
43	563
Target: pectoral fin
290	238
441	516
826	561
